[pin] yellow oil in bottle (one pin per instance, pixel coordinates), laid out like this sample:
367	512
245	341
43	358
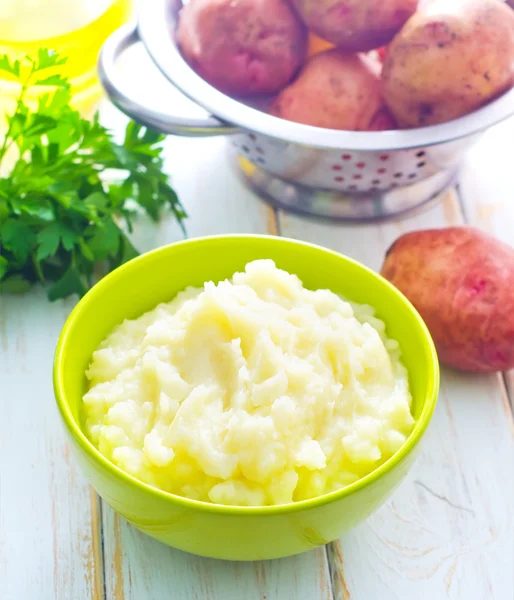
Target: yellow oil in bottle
73	28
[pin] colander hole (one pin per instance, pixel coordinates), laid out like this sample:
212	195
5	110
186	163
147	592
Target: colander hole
259	150
357	176
253	137
360	165
245	149
412	175
338	178
421	164
384	157
421	154
376	181
260	160
337	168
398	175
353	187
346	157
381	171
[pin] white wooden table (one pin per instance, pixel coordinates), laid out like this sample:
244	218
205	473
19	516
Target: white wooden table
446	533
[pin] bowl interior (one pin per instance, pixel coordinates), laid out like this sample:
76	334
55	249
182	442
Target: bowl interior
158	276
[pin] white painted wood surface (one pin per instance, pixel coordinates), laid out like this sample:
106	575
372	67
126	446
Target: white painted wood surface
446	533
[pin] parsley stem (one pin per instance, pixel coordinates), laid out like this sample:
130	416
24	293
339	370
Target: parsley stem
8	139
37	267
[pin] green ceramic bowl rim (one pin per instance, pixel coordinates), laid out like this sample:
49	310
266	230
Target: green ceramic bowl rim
221	509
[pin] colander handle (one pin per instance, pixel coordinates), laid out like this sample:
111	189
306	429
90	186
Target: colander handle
115	45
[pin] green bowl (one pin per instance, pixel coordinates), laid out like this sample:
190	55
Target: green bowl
237	533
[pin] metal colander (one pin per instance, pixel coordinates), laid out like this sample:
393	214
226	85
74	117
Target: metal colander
345	175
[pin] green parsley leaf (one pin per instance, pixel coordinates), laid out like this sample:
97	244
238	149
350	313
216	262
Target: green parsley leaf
17	237
97	199
3	266
105	240
86	250
46	59
72	282
57	80
15	284
48	240
51	236
11	67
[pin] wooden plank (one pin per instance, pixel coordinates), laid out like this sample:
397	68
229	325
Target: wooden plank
137	566
487	188
143	568
445	532
49	528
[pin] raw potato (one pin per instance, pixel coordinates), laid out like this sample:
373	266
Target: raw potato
448	60
355	25
242	47
336	90
461	280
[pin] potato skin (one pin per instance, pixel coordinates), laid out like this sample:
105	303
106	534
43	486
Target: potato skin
242	47
461	280
355	25
336	90
448	60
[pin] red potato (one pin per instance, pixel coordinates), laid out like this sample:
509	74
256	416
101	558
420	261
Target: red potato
461	280
448	60
335	91
242	47
355	25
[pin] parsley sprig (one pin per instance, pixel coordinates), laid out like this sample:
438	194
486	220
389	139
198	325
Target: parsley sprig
72	191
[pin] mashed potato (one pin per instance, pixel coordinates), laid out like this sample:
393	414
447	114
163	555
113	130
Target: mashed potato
254	391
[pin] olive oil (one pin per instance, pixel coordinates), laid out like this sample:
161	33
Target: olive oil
73	28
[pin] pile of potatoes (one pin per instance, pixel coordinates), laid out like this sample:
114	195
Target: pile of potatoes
437	59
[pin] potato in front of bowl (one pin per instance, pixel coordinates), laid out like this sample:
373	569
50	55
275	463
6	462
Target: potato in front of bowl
251	392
